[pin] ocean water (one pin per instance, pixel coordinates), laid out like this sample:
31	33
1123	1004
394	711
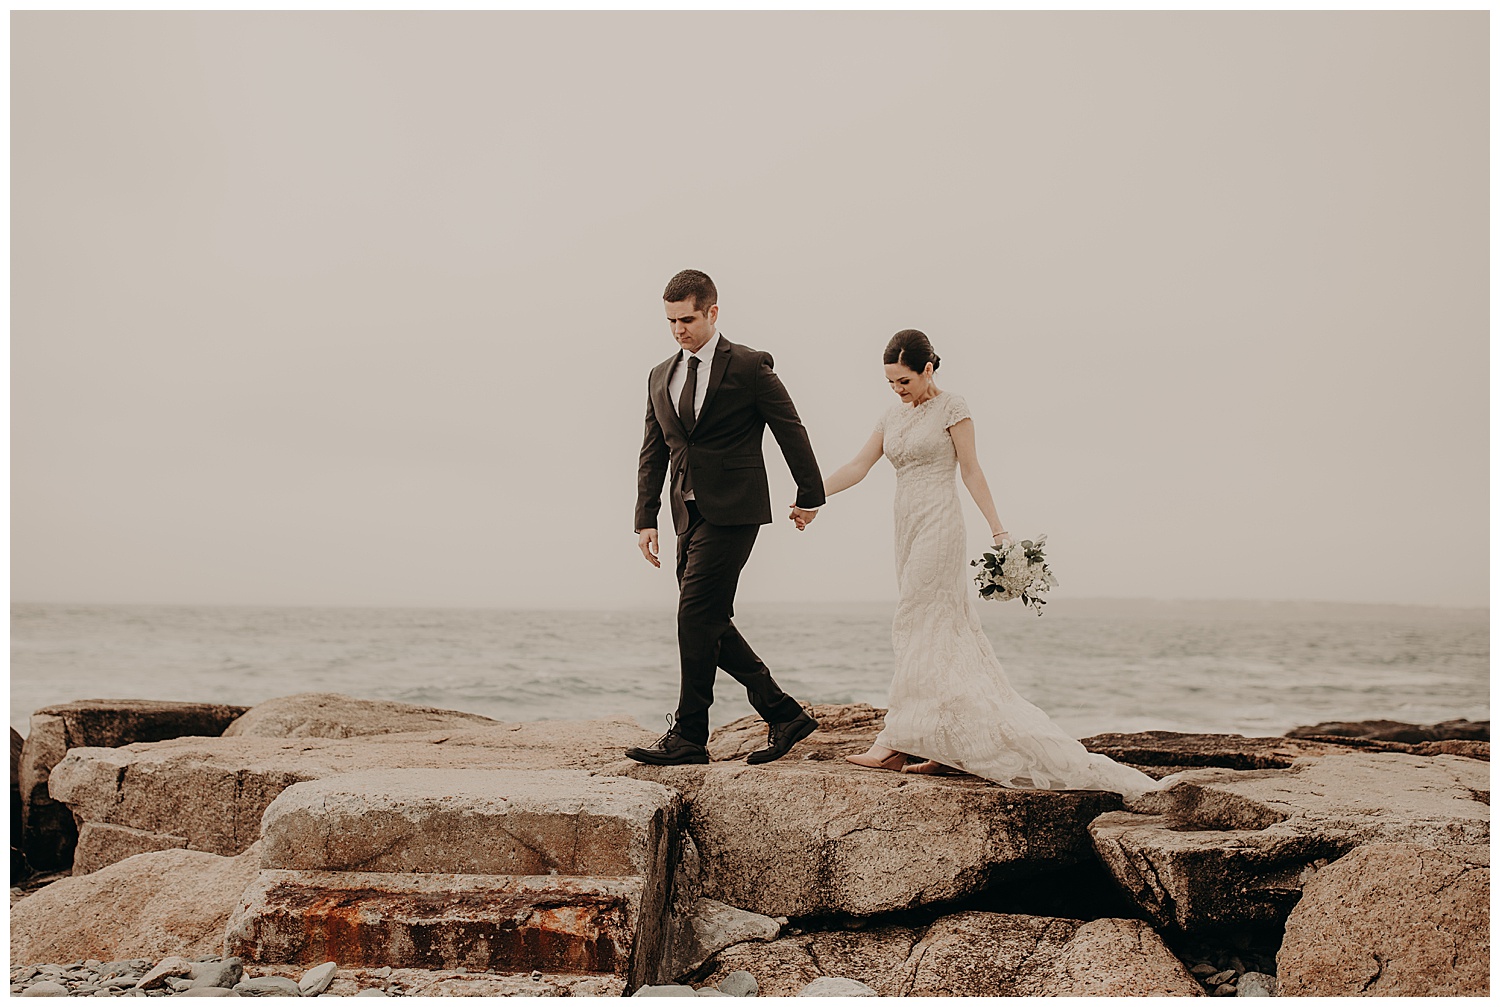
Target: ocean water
1100	665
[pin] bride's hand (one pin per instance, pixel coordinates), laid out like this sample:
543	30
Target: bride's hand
1001	537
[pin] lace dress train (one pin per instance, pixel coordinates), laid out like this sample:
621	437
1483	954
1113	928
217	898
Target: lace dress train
950	700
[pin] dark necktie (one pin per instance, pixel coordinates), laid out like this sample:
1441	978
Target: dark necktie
689	396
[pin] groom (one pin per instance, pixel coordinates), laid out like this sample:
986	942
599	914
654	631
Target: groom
707	407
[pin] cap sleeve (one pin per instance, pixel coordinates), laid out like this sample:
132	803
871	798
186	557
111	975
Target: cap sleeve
957	410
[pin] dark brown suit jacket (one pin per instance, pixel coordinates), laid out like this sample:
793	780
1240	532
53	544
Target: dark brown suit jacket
724	450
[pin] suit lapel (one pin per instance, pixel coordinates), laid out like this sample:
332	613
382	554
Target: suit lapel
663	399
715	376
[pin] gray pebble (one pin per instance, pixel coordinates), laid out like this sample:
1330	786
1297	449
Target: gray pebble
268	986
225	972
45	988
1225	990
172	965
1256	984
1203	969
740	983
665	991
315	980
1227	976
371	993
178	984
836	986
709	991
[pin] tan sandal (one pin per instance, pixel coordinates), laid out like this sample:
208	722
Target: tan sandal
893	762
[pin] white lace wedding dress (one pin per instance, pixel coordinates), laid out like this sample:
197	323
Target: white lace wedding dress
950	700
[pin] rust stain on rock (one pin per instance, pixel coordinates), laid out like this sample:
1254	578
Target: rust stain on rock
569	932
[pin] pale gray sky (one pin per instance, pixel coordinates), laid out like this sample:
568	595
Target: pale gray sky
357	308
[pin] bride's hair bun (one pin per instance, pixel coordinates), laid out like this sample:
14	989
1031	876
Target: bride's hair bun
910	348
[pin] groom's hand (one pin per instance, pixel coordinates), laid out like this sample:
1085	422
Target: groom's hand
650	548
802	518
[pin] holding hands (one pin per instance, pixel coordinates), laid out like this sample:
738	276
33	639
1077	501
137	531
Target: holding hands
802	518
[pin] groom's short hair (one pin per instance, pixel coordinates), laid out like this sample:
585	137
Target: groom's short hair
694	284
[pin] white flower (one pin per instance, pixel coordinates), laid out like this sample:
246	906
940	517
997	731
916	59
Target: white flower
1018	575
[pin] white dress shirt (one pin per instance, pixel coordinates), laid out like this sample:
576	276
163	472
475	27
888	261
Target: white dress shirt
705	357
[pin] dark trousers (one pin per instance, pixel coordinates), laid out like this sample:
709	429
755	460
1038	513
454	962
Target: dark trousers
709	560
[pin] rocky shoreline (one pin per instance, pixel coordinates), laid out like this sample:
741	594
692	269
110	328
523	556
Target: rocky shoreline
325	845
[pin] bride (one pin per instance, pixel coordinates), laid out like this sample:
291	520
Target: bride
951	705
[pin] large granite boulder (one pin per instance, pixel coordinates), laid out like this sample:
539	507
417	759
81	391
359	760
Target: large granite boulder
812	837
1451	737
175	902
1162	752
442	921
874	956
1391	919
1395	730
48	831
508	870
496	821
996	954
101	844
971	954
1227	848
209	793
332	715
18	867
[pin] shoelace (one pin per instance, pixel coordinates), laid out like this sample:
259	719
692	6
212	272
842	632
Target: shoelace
777	730
671	730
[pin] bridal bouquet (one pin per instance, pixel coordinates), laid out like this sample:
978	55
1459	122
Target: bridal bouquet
1015	570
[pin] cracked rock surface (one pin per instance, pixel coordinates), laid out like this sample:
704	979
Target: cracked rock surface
973	954
49	832
1227	848
470	822
210	793
1391	919
817	838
